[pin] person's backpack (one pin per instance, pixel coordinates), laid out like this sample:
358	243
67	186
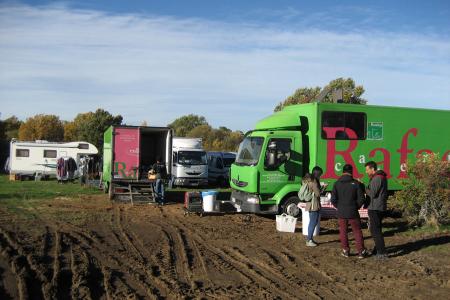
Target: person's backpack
305	194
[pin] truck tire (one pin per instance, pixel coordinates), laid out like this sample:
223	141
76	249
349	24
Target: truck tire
290	207
110	192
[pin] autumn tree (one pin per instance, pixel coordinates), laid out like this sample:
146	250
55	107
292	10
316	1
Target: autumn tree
183	125
351	93
204	132
42	127
220	139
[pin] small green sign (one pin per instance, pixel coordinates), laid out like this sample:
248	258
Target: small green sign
375	131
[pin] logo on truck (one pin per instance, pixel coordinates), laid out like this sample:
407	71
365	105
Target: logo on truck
332	167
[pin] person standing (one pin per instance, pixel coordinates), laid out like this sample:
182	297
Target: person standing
377	191
313	207
347	196
159	169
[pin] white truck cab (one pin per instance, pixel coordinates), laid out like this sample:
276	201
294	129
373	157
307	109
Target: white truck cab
190	165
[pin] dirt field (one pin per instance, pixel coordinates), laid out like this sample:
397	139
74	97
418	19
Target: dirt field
88	248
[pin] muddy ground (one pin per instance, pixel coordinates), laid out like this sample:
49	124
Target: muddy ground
88	248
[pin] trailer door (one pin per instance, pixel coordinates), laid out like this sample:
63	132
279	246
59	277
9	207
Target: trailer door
126	153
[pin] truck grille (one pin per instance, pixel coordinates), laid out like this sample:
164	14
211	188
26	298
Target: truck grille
193	173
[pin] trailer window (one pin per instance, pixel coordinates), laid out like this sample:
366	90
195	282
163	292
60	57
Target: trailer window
50	153
83	146
22	153
343	125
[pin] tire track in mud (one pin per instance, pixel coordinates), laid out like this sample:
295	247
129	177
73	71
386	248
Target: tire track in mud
171	259
89	240
206	257
245	268
111	282
160	286
29	277
88	279
279	278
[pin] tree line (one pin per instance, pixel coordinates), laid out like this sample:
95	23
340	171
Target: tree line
90	126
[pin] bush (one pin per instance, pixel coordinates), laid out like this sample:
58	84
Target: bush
425	198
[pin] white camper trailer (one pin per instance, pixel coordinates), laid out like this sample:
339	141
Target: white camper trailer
39	157
190	166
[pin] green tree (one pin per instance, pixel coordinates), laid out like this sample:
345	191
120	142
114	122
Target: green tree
10	128
90	127
183	125
42	127
351	93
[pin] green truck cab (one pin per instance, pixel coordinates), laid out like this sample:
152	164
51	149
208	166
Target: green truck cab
273	157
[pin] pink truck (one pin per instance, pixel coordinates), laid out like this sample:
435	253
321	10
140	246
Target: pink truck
129	152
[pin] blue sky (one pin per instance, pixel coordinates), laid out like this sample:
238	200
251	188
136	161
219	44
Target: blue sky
231	61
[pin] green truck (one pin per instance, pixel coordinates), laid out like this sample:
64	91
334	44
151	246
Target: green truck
273	157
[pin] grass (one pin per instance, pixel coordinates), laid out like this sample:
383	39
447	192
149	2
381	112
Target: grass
427	230
25	190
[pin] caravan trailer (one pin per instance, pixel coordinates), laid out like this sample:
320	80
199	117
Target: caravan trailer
39	157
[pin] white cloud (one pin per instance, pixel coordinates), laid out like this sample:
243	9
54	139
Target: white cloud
64	61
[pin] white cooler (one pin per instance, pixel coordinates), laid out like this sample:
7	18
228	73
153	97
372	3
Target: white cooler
209	199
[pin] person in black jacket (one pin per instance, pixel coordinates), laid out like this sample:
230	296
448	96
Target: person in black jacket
348	197
377	191
159	169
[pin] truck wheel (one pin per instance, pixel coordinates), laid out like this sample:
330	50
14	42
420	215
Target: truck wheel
111	192
290	207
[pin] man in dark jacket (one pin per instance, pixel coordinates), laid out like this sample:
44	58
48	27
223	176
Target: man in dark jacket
159	169
377	191
348	197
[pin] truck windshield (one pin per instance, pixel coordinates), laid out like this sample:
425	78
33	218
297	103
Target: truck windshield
192	158
249	151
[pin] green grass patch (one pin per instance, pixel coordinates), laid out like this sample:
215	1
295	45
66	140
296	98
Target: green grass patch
427	230
24	190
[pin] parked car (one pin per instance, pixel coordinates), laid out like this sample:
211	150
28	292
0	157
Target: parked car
219	164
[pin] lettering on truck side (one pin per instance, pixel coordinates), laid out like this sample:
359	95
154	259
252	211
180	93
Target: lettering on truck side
332	152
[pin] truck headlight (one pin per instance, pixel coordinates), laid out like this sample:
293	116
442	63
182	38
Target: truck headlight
254	200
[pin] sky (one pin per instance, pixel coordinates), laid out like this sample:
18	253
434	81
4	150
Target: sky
230	61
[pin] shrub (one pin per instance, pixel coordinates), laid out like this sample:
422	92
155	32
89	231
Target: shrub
425	198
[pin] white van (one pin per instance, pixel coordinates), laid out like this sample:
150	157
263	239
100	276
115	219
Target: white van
190	166
39	157
219	164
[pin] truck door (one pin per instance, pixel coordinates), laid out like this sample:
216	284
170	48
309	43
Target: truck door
126	153
273	179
